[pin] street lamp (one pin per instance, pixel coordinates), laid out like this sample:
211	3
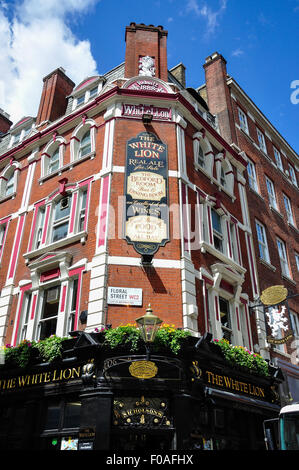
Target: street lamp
148	326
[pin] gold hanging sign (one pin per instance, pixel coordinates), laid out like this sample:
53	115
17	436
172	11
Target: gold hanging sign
274	295
143	369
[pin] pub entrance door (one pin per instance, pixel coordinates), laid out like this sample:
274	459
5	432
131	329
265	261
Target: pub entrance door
142	440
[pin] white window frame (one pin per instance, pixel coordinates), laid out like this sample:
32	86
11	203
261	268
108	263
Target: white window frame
58	222
50	150
278	158
10	173
200	142
243	121
261	140
293	174
283	257
219	236
77	136
297	260
288	208
77	215
271	193
262	241
252	179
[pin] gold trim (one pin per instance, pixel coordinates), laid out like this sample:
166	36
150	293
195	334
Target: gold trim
274	295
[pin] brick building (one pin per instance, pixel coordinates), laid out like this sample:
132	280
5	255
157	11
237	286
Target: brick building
129	189
273	201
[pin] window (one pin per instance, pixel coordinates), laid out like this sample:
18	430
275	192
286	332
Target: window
283	258
297	260
93	92
225	174
262	242
271	193
9	179
83	140
292	174
288	208
63	217
225	318
49	312
39	227
62	210
278	158
85	145
82	213
2	235
26	310
52	156
3	229
217	231
53	162
261	140
61	425
234	242
243	121
252	176
80	100
295	323
200	157
74	292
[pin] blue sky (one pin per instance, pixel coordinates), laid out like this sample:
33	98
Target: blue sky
259	40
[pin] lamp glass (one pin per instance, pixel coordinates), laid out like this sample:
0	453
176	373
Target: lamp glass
148	325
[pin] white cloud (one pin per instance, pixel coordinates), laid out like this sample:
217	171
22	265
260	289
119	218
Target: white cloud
35	41
206	12
237	52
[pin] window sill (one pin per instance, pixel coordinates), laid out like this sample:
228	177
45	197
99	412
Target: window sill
273	209
287	278
256	193
6	198
204	246
293	227
81	236
267	264
69	166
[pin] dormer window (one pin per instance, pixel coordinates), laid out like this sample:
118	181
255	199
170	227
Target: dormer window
87	90
20	131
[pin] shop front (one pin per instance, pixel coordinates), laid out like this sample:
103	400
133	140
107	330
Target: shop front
95	399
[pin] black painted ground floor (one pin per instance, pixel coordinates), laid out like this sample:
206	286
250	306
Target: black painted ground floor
92	400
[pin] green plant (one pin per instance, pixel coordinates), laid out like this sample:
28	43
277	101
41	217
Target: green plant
19	355
243	357
170	337
123	335
50	348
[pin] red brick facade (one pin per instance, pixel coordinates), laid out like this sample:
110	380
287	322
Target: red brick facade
62	217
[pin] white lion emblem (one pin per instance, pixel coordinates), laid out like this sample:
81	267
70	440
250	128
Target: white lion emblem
277	320
147	66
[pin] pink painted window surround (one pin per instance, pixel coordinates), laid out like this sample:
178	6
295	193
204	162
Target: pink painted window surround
60	217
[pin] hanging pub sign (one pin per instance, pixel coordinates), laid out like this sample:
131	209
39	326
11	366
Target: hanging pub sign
277	314
146	193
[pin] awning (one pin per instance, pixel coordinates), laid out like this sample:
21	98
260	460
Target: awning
243	400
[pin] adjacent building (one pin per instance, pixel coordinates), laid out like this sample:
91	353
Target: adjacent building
131	189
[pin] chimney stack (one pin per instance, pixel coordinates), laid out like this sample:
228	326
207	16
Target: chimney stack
146	51
53	103
218	95
5	122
